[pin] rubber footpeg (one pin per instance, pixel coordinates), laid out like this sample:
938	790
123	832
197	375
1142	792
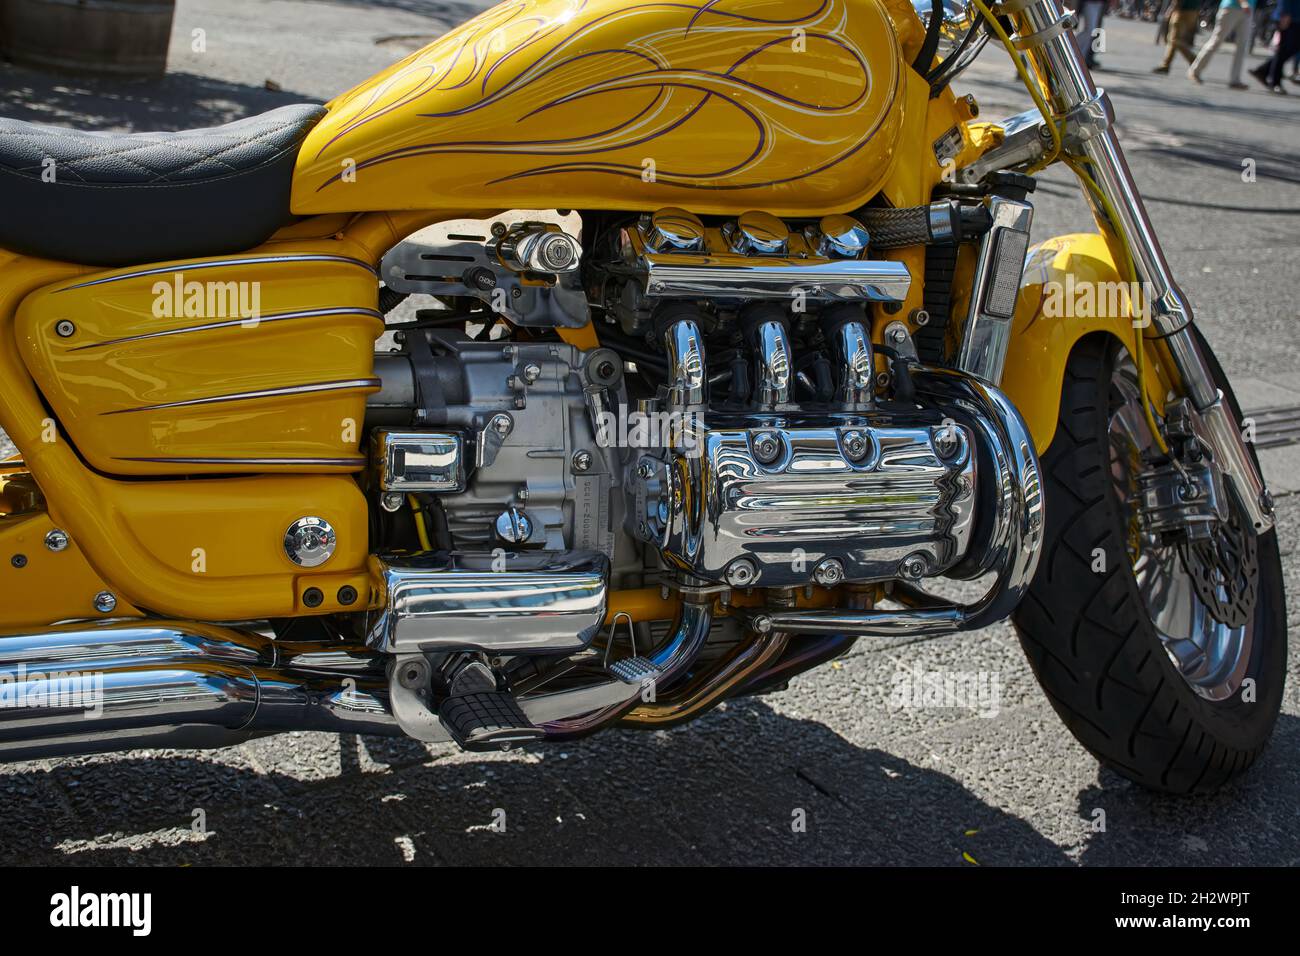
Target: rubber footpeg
486	721
634	670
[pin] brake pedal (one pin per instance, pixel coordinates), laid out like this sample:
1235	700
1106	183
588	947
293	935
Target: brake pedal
488	720
634	670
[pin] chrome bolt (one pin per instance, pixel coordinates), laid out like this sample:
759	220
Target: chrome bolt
856	445
582	461
762	624
413	673
64	328
741	573
56	540
514	526
914	567
829	573
392	501
947	442
502	424
532	373
898	334
645	471
1189	491
767	447
920	317
105	602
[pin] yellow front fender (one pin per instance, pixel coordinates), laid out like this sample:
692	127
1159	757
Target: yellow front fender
1068	291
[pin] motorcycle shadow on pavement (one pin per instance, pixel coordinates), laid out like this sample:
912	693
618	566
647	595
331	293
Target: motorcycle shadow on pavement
746	787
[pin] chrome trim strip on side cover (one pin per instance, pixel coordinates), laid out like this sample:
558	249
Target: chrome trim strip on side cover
243	261
250	322
263	393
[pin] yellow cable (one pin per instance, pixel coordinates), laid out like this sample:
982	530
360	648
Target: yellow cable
1030	85
420	528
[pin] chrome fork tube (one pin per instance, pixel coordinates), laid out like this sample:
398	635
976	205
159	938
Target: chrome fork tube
1069	89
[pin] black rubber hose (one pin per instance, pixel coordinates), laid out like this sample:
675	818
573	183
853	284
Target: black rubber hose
925	56
389	299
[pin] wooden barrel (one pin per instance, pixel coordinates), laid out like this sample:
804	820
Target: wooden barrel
88	36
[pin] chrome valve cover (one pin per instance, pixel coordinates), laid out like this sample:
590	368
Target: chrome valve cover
876	498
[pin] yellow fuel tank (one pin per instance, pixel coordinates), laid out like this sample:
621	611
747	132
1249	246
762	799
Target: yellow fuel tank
718	106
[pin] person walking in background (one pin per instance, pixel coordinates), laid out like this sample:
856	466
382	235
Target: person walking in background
1288	45
1183	20
1233	21
1091	13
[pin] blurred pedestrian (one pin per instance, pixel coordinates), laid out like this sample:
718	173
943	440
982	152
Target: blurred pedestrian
1234	21
1090	15
1288	45
1184	17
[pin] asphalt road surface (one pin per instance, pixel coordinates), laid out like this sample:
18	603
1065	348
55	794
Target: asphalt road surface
874	783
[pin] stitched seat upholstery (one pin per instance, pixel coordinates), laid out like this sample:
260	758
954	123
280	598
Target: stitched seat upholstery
127	198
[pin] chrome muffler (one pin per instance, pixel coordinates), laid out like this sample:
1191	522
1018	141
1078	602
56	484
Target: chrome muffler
118	686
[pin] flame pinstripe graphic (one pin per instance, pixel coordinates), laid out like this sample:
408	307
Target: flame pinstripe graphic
524	67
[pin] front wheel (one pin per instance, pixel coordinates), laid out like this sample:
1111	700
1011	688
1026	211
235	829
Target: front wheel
1133	653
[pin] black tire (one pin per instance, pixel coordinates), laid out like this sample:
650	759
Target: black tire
1089	638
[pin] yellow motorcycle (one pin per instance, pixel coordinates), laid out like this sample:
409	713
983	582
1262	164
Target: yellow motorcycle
731	345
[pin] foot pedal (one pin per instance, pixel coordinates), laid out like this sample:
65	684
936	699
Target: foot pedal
489	720
634	670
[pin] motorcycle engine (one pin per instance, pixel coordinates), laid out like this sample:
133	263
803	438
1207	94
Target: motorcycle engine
735	429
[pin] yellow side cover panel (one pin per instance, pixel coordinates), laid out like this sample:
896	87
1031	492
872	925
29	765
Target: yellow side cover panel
243	364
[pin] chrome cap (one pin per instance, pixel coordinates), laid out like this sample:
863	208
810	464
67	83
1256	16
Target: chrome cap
842	237
675	230
310	542
759	234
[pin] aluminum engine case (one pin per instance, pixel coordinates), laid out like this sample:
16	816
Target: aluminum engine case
708	507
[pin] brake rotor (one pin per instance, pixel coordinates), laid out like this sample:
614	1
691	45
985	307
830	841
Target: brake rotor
1224	572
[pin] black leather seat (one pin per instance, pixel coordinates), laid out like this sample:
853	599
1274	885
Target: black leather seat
123	198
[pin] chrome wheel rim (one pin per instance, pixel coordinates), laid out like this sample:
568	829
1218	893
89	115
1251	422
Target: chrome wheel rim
1211	656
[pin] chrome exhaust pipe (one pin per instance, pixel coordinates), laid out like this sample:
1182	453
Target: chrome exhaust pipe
689	634
688	379
124	685
765	326
845	328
